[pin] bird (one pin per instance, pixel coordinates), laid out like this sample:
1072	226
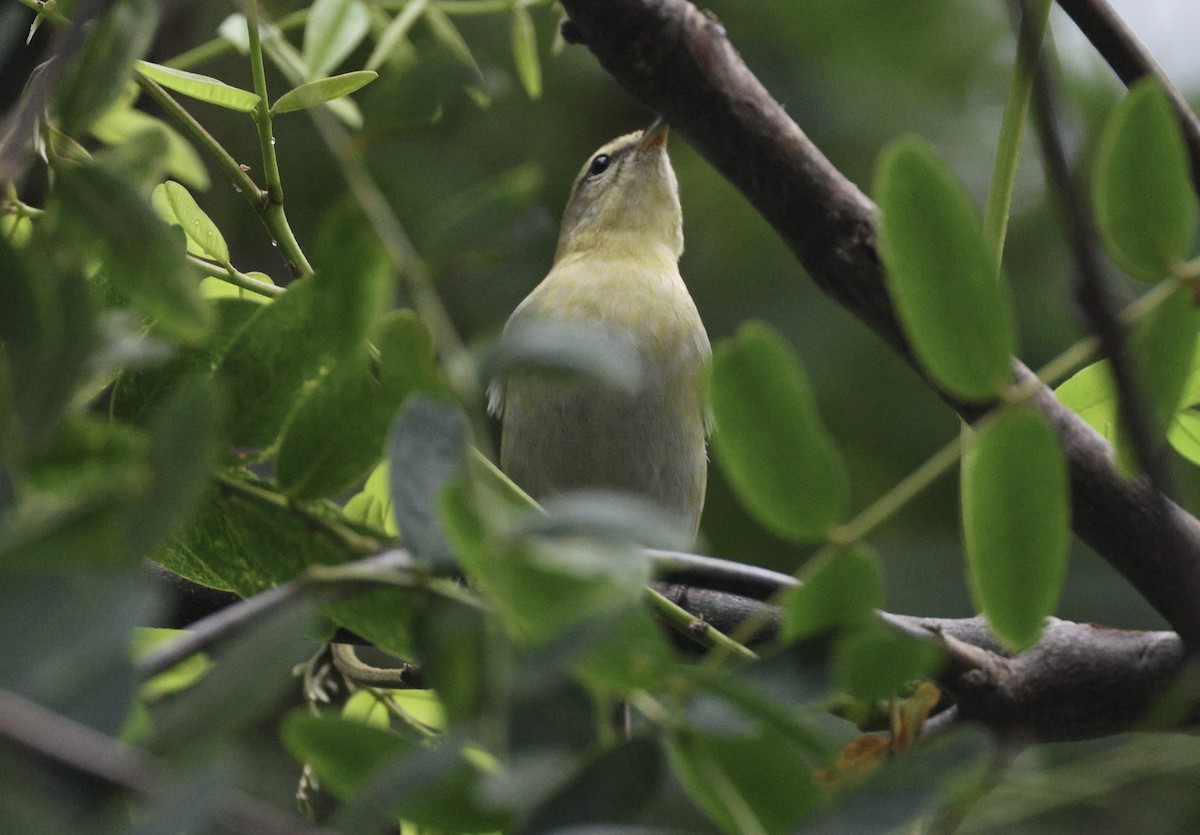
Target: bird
616	271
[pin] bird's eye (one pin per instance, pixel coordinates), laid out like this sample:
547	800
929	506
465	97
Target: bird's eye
598	166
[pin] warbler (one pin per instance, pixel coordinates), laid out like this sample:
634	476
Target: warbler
616	270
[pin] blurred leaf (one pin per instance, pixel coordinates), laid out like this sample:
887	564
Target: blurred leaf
1090	394
75	628
455	651
333	30
842	588
318	92
200	87
874	662
607	515
176	205
250	674
769	438
344	753
142	257
1016	523
216	288
47	322
1163	346
395	33
940	274
907	791
426	449
611	788
120	123
566	348
233	29
446	33
95	79
337	432
525	52
746	784
1184	433
1142	188
183	450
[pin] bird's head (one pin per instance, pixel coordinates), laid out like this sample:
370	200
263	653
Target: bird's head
626	197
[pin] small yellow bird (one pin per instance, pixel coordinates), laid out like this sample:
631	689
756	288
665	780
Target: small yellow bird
616	270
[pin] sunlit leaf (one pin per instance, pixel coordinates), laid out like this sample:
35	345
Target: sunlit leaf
200	87
769	438
1144	202
1016	523
198	226
941	275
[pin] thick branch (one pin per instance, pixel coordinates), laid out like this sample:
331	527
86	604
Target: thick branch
1078	682
678	62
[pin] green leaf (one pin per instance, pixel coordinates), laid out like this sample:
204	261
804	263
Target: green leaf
95	79
182	162
337	432
564	348
428	445
769	438
1162	354
1016	523
874	662
1163	346
395	32
200	87
344	753
187	214
142	257
756	783
940	274
446	33
1184	433
288	343
321	91
183	450
249	540
333	30
525	52
1145	207
842	588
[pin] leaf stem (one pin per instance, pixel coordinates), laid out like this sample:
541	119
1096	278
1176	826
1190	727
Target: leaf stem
273	212
235	277
1012	128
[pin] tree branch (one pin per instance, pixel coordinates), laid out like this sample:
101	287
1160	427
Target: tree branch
678	62
1130	60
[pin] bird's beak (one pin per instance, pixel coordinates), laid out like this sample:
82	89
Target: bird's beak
654	136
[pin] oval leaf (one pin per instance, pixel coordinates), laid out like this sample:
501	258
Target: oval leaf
1142	189
1016	522
769	437
319	92
196	224
200	87
525	52
334	29
940	274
